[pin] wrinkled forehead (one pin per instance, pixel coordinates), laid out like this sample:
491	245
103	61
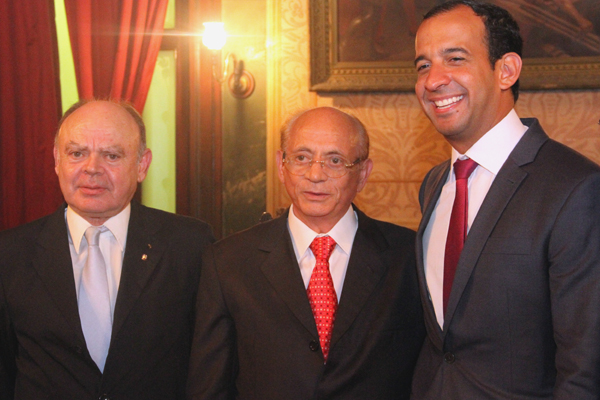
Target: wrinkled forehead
100	120
325	131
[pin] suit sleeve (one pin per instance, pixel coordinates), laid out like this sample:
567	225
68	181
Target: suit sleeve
574	270
213	361
7	351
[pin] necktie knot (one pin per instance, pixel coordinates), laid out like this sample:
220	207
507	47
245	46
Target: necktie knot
92	234
322	247
464	168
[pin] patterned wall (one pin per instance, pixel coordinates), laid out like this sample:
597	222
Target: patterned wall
404	144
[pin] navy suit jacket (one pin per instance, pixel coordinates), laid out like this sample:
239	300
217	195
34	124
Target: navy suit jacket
523	318
256	336
43	354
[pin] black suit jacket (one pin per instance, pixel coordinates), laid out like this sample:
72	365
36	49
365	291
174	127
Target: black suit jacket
523	318
43	354
256	336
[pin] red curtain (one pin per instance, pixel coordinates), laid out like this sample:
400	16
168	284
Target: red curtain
29	111
115	44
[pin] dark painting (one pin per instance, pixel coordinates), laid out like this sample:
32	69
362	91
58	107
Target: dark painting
368	45
384	30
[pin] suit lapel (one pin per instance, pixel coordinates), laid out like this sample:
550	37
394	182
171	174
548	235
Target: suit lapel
283	273
431	193
142	254
509	178
365	271
53	264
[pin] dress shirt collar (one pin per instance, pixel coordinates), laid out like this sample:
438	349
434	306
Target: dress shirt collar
343	232
493	149
117	225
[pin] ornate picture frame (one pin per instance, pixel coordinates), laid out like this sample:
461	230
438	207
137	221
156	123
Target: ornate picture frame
332	73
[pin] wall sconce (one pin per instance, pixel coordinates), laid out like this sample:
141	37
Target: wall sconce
240	82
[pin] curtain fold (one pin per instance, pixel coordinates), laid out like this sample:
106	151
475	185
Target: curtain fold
29	111
115	44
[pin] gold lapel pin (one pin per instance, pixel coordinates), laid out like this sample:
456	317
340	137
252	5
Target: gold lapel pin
144	257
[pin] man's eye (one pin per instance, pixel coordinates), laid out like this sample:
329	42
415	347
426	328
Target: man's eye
336	162
76	154
113	157
300	159
421	67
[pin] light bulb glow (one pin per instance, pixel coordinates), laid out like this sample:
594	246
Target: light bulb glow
214	36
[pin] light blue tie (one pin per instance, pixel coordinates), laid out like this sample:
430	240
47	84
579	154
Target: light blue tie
94	300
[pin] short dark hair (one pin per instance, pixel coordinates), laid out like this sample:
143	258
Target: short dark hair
502	33
127	106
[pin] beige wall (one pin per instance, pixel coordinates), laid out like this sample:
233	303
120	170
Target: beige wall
404	143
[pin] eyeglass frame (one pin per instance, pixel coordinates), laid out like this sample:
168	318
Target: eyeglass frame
322	162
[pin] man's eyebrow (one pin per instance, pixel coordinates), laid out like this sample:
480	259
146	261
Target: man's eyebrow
447	51
72	144
455	50
113	149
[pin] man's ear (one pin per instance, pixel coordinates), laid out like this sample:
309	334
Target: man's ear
280	166
509	70
364	172
144	164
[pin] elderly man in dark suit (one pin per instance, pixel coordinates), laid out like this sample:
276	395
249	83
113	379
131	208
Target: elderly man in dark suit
512	307
320	303
97	299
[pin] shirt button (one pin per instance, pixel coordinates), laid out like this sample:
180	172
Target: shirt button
104	397
313	345
449	358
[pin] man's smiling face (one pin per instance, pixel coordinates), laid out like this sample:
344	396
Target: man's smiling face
456	85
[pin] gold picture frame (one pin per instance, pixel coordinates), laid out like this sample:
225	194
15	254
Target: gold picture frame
331	74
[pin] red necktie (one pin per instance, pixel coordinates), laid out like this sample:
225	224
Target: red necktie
321	293
457	231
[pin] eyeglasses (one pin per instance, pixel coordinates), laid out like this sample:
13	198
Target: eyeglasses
333	166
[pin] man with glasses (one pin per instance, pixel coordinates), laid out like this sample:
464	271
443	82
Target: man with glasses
321	302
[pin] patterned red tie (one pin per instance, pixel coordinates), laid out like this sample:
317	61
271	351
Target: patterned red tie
321	293
457	231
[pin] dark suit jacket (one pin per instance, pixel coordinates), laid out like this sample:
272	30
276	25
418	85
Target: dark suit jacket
43	354
523	318
256	336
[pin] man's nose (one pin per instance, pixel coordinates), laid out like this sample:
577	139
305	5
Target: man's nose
316	171
437	77
93	164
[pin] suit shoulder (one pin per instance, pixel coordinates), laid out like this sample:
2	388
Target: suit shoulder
563	158
178	223
251	237
17	244
391	229
395	236
26	233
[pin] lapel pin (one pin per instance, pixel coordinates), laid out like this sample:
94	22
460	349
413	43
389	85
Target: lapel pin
144	257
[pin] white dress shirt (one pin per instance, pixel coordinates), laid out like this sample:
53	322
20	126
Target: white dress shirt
490	152
343	233
112	245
